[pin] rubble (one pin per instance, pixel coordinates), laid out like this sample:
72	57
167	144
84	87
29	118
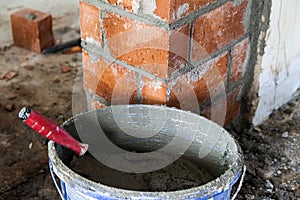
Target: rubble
11	74
65	68
9	107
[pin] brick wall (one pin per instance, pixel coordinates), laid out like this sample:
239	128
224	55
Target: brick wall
186	54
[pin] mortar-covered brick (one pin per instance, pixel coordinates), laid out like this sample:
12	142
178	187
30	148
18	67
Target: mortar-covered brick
154	61
90	22
32	29
219	27
136	43
172	10
178	48
162	9
104	80
181	8
117	85
92	71
231	106
130	5
182	96
204	82
239	53
153	91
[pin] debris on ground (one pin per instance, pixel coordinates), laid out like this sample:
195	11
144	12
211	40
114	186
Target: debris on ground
272	155
9	107
11	74
65	68
28	67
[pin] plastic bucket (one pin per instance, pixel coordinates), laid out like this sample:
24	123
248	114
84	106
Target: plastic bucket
223	159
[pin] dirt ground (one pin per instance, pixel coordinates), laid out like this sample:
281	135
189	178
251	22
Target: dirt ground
272	155
29	79
41	82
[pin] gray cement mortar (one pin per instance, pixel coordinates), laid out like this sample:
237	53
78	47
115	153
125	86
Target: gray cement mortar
182	174
258	24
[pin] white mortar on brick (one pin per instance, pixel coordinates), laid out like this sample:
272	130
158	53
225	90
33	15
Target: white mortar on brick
155	85
239	48
94	50
237	2
149	7
198	73
135	6
182	9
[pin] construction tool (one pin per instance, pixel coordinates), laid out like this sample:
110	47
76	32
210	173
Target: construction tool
51	130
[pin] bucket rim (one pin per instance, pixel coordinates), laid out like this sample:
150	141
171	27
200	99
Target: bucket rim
212	188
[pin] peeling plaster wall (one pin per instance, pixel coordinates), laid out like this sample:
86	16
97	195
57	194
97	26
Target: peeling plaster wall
280	65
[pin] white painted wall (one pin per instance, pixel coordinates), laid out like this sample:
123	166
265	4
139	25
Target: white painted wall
64	13
280	75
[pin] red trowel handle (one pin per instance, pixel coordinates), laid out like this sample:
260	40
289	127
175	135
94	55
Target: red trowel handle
50	130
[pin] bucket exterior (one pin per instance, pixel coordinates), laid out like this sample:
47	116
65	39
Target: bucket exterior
70	191
72	186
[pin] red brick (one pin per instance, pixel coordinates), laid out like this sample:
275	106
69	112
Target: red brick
154	61
32	29
197	82
231	107
219	111
178	49
172	10
155	50
162	9
130	5
90	22
104	79
239	53
181	8
183	96
113	2
172	100
218	28
214	79
161	52
153	92
92	71
137	44
110	81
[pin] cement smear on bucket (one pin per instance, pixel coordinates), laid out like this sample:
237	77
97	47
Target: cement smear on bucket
182	174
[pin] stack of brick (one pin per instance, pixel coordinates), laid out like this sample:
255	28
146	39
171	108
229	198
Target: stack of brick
186	54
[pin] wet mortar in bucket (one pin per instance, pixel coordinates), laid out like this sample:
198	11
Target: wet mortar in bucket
182	174
197	174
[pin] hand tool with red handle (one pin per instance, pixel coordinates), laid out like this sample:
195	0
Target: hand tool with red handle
50	130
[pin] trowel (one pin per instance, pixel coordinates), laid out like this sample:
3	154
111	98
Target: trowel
51	130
